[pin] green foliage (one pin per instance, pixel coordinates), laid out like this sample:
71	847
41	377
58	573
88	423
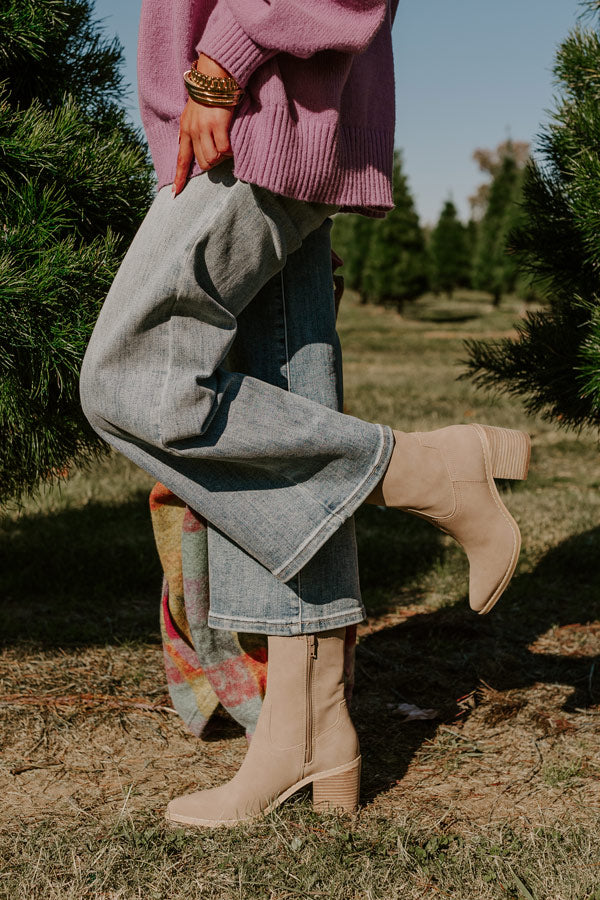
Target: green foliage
397	263
554	364
48	47
494	269
75	182
450	246
351	238
385	260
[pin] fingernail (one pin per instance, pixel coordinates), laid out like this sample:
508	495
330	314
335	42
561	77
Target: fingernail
173	191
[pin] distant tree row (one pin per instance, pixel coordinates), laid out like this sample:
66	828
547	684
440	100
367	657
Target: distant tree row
385	260
395	260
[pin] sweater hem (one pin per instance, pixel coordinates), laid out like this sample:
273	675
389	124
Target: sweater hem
349	166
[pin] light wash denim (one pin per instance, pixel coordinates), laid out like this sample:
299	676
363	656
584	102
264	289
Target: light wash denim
232	404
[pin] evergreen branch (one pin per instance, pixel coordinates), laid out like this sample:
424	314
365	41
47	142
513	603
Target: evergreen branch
554	363
75	182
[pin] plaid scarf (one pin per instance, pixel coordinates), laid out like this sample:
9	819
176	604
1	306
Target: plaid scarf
205	666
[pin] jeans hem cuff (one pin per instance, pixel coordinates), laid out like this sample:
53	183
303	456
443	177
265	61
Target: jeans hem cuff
289	629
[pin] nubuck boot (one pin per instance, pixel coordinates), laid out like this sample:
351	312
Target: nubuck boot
304	736
447	477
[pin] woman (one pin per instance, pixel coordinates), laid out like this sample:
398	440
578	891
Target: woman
300	127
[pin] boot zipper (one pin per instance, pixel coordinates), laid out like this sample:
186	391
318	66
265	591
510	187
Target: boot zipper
311	654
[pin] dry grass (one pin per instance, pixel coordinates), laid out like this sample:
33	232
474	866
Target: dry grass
498	797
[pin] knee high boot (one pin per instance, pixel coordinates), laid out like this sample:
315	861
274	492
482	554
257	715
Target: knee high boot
304	735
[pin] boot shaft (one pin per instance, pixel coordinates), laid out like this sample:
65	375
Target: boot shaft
305	697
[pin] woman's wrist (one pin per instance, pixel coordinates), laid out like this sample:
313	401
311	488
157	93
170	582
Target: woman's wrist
209	66
209	84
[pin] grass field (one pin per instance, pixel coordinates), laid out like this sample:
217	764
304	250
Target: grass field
496	797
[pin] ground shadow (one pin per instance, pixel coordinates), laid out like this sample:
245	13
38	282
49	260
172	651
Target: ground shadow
387	539
448	318
435	658
91	575
81	576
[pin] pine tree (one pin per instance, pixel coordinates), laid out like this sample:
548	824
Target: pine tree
75	181
554	364
494	269
449	250
471	236
396	268
351	238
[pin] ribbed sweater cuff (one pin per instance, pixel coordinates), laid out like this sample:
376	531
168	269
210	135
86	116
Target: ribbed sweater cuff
225	41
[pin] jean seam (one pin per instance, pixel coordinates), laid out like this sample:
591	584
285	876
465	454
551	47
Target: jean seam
288	373
285	335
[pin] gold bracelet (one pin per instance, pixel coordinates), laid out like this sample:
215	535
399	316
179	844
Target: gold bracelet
212	85
210	100
213	82
222	95
206	87
207	97
206	101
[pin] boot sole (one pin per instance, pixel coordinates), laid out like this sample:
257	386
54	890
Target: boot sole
507	454
334	789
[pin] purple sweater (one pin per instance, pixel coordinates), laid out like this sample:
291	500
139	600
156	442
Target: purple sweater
317	119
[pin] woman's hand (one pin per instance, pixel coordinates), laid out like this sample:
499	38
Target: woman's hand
203	131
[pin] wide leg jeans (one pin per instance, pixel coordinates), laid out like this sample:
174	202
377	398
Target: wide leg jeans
201	369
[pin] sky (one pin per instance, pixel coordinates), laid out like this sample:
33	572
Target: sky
468	73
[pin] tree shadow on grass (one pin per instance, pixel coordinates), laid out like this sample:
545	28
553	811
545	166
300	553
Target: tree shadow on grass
395	549
435	658
89	575
441	318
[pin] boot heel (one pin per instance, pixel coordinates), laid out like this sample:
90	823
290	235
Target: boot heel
338	791
510	451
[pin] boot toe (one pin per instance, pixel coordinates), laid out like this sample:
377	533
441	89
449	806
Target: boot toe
490	537
492	562
204	808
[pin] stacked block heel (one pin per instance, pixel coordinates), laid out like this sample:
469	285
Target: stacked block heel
510	451
339	791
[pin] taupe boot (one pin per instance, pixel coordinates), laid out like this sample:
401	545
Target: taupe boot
447	477
304	734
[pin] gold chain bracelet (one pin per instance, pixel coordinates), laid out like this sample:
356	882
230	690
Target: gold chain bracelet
213	82
212	90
